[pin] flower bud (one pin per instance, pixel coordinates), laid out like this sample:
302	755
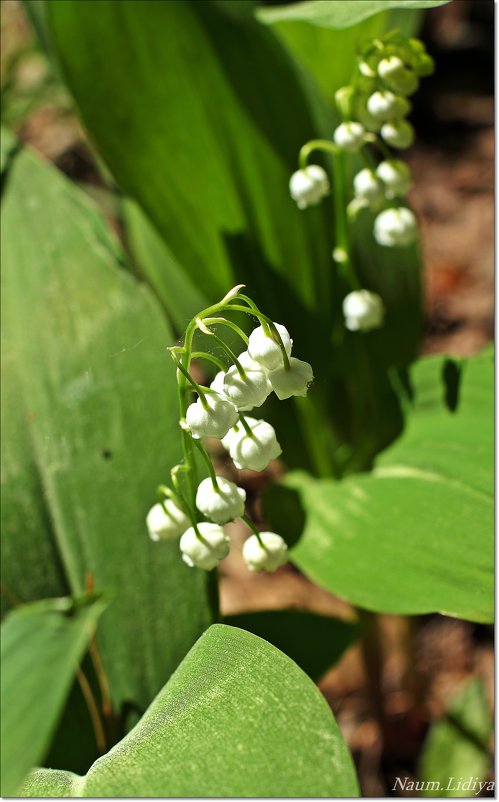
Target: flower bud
416	45
398	134
265	350
366	69
343	97
205	551
293	380
253	451
396	176
390	68
406	83
368	186
363	310
213	421
166	521
387	106
222	504
266	553
395	227
249	392
424	65
309	186
349	136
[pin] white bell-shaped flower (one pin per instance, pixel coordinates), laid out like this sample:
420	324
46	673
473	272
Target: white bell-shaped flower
254	451
384	106
166	521
265	554
363	310
395	227
349	136
398	134
367	186
249	392
205	551
396	176
248	362
309	186
265	350
223	503
218	383
214	420
293	380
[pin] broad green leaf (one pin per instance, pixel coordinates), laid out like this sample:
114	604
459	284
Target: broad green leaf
37	15
415	535
180	296
89	416
315	642
339	14
51	783
456	753
42	645
8	146
203	134
237	719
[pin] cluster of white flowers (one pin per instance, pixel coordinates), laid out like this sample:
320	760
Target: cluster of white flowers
220	411
374	110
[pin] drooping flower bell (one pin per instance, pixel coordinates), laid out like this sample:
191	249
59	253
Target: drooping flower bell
363	310
294	380
166	521
309	186
222	504
213	419
385	105
204	551
367	186
265	350
266	552
349	136
395	227
253	451
397	75
398	133
396	176
249	391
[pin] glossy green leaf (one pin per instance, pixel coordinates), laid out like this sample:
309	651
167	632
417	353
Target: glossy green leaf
415	535
89	416
339	14
42	645
457	752
180	296
315	642
203	134
237	719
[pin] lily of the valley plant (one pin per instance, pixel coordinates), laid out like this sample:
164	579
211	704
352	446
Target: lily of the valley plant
373	106
219	411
